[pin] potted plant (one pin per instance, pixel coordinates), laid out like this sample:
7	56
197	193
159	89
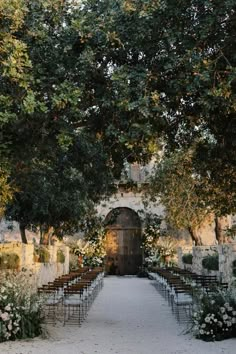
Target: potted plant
166	246
60	256
41	254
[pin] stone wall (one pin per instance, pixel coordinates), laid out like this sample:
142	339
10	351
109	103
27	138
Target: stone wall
199	252
227	254
180	252
40	273
134	201
130	200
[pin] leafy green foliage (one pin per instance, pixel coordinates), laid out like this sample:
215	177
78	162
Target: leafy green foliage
234	268
21	308
54	158
60	256
187	258
89	253
211	262
41	254
9	260
176	185
214	317
93	84
58	195
231	232
6	191
151	232
169	67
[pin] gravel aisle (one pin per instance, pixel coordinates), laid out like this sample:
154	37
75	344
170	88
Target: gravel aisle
128	317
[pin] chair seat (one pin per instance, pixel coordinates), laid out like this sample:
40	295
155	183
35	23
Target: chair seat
53	300
73	301
183	298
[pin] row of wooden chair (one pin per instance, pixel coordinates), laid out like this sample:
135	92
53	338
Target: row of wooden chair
176	292
69	297
206	282
78	297
177	286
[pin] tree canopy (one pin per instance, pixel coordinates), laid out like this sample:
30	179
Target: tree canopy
169	69
88	84
60	168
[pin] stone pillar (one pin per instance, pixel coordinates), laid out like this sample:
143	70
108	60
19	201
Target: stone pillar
199	252
66	251
180	252
227	255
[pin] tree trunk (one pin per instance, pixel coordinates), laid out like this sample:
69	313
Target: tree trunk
41	234
219	229
22	233
195	237
45	234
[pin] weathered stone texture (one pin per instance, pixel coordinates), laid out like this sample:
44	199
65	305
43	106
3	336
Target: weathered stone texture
227	254
41	273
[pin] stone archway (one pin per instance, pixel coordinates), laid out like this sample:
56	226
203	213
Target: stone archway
123	242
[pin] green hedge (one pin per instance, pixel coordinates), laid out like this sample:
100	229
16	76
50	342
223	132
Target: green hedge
41	254
234	268
187	258
9	261
60	256
211	262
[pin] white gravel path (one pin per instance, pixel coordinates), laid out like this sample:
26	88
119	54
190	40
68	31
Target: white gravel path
129	316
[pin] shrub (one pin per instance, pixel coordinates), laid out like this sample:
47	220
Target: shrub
9	261
214	316
211	262
41	254
234	268
20	315
187	258
60	256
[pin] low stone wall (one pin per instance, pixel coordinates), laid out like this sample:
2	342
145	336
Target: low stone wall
199	252
227	255
20	249
180	252
40	273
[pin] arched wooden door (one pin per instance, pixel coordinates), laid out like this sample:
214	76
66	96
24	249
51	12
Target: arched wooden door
123	242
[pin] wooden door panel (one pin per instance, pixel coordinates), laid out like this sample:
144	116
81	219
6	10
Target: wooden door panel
124	253
130	254
112	251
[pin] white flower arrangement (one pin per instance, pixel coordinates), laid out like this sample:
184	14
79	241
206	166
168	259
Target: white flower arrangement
214	318
18	305
93	252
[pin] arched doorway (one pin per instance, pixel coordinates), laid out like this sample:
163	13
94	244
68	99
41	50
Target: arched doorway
123	242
